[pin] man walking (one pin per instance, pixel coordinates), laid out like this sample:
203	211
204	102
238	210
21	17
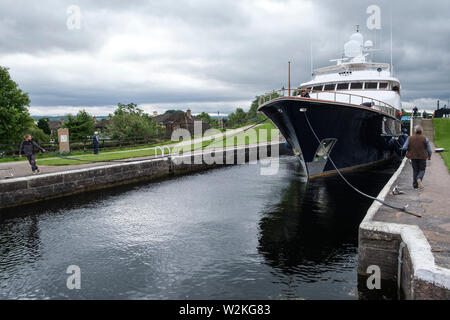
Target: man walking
418	150
95	142
415	111
27	147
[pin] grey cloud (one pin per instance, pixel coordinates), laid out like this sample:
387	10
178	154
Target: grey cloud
217	43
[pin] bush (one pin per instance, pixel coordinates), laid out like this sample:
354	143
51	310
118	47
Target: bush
130	122
38	135
43	124
80	126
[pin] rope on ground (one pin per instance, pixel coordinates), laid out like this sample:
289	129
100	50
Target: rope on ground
235	134
102	161
403	209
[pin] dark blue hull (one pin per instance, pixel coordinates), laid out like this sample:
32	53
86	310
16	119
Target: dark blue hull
353	136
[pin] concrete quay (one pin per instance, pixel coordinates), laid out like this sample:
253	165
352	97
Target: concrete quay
413	252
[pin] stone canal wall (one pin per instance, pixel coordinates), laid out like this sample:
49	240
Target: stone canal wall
19	191
401	249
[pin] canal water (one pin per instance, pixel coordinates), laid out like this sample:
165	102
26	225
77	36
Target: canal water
228	233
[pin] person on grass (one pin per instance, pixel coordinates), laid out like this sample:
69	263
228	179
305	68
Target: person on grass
28	148
96	142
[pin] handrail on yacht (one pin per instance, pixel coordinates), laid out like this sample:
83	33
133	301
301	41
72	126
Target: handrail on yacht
376	104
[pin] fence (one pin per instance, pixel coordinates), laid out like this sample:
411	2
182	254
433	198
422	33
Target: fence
334	96
10	150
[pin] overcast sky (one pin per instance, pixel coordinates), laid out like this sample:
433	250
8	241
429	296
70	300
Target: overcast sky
207	55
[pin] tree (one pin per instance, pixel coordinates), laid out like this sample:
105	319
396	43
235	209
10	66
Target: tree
204	116
237	118
240	117
214	123
44	126
130	122
14	116
173	111
80	126
252	115
38	134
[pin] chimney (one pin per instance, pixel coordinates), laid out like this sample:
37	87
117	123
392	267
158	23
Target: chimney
155	113
188	113
95	119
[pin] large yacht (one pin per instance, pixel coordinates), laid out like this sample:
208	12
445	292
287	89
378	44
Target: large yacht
349	112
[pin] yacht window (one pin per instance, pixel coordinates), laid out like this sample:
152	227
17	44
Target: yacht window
383	85
342	86
330	87
371	85
356	85
317	88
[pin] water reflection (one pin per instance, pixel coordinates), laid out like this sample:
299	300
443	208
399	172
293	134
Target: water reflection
228	233
313	230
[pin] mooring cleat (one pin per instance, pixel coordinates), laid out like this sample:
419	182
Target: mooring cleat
397	191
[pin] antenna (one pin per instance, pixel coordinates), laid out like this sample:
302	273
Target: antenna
289	76
392	64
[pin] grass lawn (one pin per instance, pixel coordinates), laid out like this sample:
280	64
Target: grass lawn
242	138
442	138
78	153
100	157
260	133
89	152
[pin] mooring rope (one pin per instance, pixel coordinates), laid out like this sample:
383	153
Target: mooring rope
403	209
146	159
234	134
100	161
153	158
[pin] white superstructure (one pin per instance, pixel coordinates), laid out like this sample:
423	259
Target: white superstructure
355	76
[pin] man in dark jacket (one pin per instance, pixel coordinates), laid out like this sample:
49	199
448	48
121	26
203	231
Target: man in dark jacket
95	142
418	150
27	147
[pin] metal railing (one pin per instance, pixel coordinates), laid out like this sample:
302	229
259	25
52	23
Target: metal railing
334	96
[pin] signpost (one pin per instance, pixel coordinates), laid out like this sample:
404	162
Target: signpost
63	139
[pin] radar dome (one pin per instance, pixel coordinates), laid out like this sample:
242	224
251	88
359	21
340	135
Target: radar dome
352	49
358	37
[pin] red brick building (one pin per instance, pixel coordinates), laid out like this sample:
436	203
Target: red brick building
173	121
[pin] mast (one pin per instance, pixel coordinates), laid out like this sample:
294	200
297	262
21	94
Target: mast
392	64
289	75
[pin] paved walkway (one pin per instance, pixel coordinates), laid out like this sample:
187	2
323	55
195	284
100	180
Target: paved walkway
433	203
22	168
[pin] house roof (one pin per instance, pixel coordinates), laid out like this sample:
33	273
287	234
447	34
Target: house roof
174	118
55	124
102	124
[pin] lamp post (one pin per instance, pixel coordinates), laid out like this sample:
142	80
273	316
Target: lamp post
289	76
